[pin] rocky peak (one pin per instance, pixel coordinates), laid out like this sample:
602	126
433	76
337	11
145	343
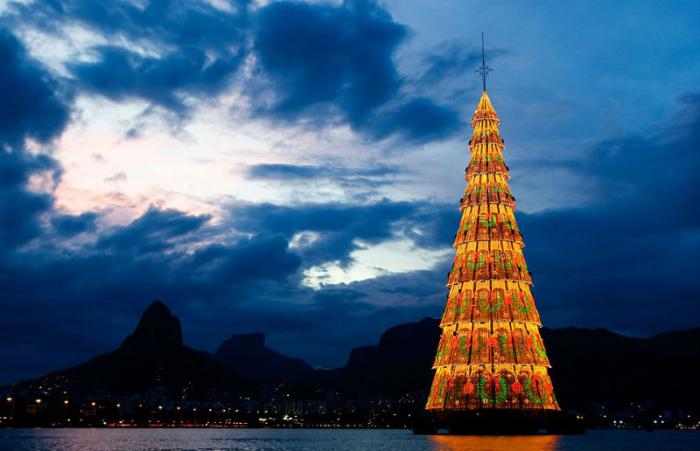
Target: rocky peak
158	330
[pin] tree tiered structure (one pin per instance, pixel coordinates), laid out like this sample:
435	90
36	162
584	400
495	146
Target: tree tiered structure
490	355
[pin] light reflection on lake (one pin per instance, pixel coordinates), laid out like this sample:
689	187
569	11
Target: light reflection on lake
489	443
330	440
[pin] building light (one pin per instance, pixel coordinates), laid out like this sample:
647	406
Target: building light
65	401
38	400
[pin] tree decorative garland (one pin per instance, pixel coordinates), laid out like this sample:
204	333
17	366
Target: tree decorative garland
493	308
474	266
442	388
490	223
441	349
529	393
469	222
525	307
502	345
449	309
539	349
506	264
481	390
463	348
509	223
480	342
502	394
457	308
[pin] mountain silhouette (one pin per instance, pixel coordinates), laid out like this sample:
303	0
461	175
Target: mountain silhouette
599	366
158	331
247	355
151	360
401	362
589	366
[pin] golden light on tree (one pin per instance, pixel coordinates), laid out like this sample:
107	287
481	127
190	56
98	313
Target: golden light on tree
490	355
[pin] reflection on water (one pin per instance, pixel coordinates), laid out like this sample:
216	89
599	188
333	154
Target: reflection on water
330	440
490	443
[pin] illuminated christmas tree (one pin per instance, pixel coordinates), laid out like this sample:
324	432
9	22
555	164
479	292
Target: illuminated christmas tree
490	355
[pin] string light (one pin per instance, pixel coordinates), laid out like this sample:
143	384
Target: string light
491	354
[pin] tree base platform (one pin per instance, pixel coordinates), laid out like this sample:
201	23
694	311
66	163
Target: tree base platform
498	422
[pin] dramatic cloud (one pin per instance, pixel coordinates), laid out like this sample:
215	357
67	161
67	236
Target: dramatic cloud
31	106
338	55
119	74
453	59
100	286
70	225
338	227
32	109
288	171
419	120
20	208
192	47
154	231
352	178
331	64
328	62
627	262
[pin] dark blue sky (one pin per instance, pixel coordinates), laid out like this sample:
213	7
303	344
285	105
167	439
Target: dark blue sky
294	168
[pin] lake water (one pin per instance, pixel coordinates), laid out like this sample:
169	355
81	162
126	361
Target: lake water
331	440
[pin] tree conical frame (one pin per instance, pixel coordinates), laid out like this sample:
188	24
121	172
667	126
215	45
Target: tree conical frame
490	354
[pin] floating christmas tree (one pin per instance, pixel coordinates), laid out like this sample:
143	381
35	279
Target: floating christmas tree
490	355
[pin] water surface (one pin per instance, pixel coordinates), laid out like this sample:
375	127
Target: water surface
330	440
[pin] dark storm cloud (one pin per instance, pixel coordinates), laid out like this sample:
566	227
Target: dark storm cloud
338	55
198	47
172	22
20	208
289	171
326	62
339	226
419	120
119	74
219	283
70	225
100	287
31	108
628	262
352	178
453	59
154	231
250	281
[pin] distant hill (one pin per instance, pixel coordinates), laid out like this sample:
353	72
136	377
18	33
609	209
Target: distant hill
400	363
589	366
596	365
151	360
247	355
